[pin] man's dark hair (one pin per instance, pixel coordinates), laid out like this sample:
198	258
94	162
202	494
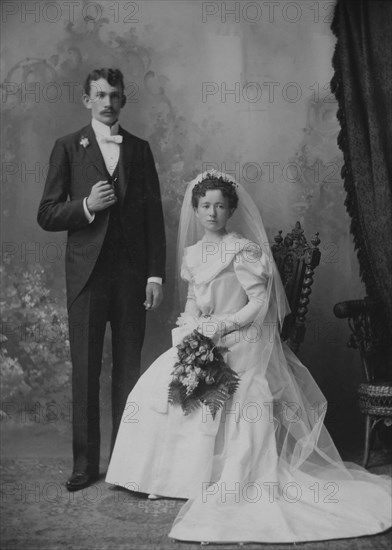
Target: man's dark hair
212	183
113	76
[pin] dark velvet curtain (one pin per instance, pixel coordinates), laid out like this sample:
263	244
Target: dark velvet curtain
362	85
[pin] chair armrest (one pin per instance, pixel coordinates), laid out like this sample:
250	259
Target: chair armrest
353	308
368	334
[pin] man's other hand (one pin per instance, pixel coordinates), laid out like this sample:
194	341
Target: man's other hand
154	296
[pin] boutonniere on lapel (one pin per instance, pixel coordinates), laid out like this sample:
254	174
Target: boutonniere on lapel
84	142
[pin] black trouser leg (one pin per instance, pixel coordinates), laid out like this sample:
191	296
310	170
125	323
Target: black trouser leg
128	326
87	323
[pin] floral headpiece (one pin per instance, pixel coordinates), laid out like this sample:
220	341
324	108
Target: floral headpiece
219	180
216	175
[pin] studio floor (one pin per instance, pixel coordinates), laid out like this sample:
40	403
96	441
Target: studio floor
38	513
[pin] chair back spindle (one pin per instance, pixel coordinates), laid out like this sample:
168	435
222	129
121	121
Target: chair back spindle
296	260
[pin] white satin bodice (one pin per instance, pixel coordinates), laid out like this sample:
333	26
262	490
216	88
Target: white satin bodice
228	279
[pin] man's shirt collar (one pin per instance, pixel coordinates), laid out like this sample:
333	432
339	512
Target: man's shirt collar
101	129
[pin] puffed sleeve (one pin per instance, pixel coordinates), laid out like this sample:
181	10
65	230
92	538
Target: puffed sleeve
252	269
191	310
185	273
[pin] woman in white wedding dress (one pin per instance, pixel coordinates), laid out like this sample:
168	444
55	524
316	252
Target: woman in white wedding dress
265	468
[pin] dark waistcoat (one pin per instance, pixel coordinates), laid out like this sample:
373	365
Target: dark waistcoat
114	246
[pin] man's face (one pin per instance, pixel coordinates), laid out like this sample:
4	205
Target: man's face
105	101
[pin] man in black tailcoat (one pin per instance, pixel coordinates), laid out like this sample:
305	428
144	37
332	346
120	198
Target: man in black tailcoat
102	187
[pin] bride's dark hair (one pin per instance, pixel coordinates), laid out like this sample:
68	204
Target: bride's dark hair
213	183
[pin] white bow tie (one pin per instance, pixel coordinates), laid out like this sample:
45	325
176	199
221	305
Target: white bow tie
111	139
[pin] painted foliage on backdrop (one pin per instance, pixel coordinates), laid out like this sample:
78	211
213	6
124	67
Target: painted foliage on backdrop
246	93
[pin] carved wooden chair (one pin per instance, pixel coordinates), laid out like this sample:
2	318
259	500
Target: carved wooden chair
296	261
369	334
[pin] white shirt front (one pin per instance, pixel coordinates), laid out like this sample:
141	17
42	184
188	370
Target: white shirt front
110	151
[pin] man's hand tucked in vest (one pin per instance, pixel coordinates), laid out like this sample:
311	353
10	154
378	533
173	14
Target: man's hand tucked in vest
101	197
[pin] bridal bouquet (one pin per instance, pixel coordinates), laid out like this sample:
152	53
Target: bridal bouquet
201	375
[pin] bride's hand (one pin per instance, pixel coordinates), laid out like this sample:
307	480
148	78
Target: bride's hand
211	327
187	319
215	327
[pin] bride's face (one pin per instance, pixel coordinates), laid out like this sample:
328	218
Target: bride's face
213	211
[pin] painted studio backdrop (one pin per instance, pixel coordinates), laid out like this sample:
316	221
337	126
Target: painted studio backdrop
238	86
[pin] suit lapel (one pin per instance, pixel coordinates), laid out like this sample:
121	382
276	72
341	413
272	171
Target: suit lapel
93	151
124	163
124	166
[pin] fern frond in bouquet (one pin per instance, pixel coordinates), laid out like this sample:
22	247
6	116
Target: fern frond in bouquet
201	375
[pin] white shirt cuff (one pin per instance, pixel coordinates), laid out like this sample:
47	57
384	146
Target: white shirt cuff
155	280
90	217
